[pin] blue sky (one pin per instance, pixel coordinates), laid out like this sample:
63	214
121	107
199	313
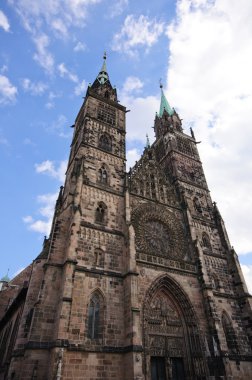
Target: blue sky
51	50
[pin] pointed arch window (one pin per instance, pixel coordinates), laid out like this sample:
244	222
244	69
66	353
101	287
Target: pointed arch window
95	316
13	337
99	257
4	342
197	205
215	282
105	142
206	241
229	333
103	175
100	213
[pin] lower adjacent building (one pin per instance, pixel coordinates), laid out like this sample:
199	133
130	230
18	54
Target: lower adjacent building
137	280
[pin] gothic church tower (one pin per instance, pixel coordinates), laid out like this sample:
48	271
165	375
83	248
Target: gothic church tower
138	280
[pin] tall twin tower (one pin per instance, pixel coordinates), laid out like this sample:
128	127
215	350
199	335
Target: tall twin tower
137	280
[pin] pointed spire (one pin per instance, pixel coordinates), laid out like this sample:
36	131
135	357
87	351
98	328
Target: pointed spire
103	75
147	142
104	67
6	277
164	105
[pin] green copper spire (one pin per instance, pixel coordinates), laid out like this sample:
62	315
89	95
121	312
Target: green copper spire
103	75
6	277
164	105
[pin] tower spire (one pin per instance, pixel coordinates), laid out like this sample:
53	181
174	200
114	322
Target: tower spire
147	145
164	105
102	85
103	74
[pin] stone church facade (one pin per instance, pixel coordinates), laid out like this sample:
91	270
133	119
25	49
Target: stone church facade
137	280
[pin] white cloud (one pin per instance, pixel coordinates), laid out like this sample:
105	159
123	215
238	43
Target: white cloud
133	155
28	219
60	28
4	23
80	46
3	69
44	58
34	88
139	119
49	105
52	95
65	73
57	15
56	19
247	272
28	141
210	83
118	7
60	127
142	112
44	221
132	84
80	88
135	33
8	91
48	167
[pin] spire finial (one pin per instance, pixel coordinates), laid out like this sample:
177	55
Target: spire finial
104	55
160	83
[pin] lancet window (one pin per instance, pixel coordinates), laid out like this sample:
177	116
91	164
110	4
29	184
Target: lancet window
206	241
95	316
100	212
105	142
229	333
103	175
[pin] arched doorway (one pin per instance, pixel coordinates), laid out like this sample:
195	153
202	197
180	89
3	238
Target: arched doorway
173	348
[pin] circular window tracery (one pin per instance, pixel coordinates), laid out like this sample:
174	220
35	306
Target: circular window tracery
158	232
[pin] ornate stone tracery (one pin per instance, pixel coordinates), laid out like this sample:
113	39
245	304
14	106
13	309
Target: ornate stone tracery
170	328
147	180
158	232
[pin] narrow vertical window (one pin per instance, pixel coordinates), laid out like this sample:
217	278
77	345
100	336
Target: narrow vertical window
103	175
229	333
94	317
100	213
206	241
105	142
197	205
99	257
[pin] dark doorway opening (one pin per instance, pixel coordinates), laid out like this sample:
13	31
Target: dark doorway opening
178	372
158	368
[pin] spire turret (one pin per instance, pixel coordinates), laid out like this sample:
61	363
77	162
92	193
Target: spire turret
164	105
102	85
167	119
103	75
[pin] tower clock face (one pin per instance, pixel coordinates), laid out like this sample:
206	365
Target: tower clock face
157	237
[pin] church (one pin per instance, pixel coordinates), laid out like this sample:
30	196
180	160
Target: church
138	279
